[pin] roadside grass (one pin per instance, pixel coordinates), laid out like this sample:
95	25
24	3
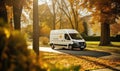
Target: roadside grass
97	43
114	48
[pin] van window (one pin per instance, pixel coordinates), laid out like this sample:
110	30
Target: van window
67	37
75	36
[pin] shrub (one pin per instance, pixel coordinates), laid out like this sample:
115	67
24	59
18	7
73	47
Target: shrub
16	56
17	42
3	40
44	40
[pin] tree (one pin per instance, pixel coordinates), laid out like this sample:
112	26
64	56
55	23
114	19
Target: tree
3	11
45	15
71	9
57	13
54	12
65	8
106	11
74	5
17	11
35	27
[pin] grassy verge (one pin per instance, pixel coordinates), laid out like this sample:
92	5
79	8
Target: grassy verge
97	43
115	47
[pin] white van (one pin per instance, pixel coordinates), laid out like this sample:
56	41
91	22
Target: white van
67	37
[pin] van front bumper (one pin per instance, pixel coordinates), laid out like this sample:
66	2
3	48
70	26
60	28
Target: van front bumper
79	45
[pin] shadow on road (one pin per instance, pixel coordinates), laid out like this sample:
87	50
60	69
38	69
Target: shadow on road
85	52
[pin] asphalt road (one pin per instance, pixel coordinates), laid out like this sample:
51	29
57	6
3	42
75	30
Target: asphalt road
85	52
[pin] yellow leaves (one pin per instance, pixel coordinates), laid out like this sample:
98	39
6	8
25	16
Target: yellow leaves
17	41
58	62
14	52
44	40
66	62
45	65
115	29
80	28
7	32
95	25
4	56
45	29
71	1
12	67
9	13
102	8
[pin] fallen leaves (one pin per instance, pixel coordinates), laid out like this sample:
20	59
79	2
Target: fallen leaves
84	62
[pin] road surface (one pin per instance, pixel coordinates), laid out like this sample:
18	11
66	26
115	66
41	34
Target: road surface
85	52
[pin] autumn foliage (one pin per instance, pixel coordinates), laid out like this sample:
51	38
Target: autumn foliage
14	54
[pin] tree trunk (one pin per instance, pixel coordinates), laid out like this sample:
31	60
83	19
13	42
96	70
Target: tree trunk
35	27
67	12
85	28
3	11
17	11
105	34
75	15
54	14
60	21
3	38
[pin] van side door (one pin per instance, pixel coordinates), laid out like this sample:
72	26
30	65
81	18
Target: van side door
67	39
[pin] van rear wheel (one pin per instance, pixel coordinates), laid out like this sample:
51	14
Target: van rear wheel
70	47
52	46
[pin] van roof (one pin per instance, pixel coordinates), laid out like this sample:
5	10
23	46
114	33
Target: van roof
64	31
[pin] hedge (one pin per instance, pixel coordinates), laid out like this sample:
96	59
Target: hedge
97	38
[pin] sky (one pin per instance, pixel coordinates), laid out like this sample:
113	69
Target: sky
43	1
83	13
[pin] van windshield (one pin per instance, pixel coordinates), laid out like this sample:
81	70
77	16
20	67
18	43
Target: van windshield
75	36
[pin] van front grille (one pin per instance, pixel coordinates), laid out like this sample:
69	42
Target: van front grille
82	43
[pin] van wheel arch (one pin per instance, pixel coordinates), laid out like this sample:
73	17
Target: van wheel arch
52	46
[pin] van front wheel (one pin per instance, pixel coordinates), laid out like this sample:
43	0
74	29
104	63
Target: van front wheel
52	46
81	49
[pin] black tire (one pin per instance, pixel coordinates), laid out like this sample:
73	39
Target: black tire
70	47
52	46
81	49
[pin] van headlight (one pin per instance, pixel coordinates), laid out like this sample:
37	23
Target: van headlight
82	43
